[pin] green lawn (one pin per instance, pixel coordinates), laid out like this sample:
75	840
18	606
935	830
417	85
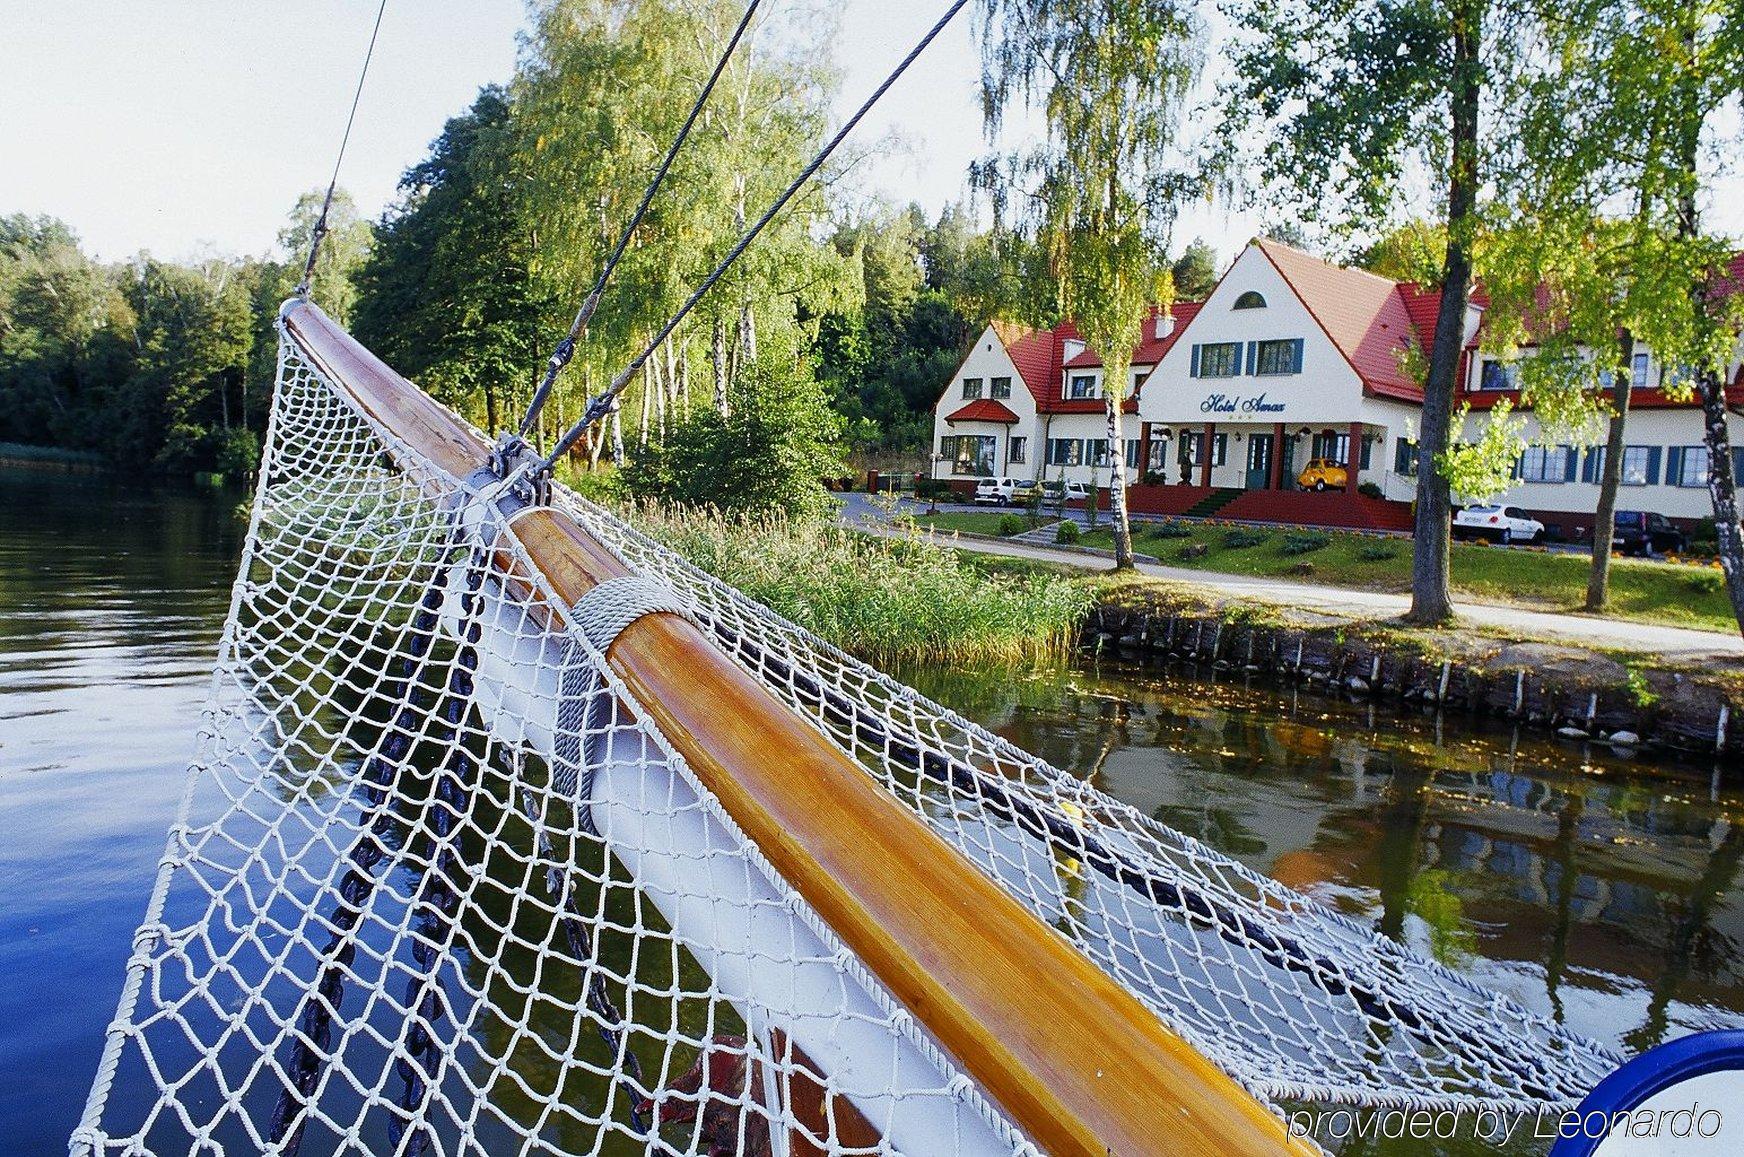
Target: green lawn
1659	592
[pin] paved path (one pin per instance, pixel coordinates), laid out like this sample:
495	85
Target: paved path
1669	642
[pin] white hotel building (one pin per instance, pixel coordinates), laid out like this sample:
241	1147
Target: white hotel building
1288	358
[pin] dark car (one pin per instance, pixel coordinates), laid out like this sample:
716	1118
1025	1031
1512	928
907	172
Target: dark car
1640	532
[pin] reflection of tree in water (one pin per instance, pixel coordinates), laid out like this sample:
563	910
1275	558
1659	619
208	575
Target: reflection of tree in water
1563	857
1691	944
1218	827
1403	816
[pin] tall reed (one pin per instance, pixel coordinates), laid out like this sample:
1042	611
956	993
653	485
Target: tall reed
886	600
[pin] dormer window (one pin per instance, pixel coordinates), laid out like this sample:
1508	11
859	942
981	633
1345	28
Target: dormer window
1252	299
1081	386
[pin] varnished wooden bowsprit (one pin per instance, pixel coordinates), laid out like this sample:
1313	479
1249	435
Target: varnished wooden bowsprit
1069	1055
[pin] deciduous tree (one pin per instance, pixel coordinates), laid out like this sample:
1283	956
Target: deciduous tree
1355	100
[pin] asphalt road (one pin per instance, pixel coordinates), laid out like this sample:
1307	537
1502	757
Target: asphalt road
1670	642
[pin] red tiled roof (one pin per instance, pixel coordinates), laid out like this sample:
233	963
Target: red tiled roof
1643	399
1151	348
1036	354
983	410
1363	313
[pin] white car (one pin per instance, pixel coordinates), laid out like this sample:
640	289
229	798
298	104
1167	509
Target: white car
1075	491
1503	524
1003	491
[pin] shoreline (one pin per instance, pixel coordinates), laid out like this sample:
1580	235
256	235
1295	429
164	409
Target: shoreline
1631	701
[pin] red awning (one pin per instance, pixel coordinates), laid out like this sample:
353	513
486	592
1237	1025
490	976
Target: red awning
983	410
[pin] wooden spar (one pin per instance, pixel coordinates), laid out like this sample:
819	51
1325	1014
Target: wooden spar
1070	1056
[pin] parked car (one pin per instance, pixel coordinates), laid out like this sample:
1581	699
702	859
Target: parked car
1003	491
1323	474
1075	491
1503	524
1641	532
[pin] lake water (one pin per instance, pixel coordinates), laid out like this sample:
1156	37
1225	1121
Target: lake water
1601	891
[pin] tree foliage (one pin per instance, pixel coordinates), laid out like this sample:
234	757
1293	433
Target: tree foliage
1195	271
1097	193
768	454
447	294
1354	101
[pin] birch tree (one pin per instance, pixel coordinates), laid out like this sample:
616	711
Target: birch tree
1098	190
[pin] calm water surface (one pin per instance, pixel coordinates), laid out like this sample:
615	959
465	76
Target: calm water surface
1601	891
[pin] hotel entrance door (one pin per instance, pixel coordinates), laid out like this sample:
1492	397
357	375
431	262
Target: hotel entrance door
1259	461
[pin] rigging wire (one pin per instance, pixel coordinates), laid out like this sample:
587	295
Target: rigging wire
320	230
601	405
566	348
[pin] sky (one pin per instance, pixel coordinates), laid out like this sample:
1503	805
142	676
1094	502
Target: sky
189	127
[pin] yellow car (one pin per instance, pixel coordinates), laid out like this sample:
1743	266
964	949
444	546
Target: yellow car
1323	474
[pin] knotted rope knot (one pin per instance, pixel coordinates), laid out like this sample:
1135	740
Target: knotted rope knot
149	937
602	614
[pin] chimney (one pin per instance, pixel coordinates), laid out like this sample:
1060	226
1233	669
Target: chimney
1165	324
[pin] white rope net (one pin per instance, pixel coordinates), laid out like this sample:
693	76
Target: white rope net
439	886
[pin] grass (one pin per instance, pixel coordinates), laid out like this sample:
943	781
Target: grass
887	600
1658	592
967	521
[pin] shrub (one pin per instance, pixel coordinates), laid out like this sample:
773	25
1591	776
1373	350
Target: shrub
884	599
1011	524
1171	530
236	453
929	488
771	454
1369	489
1305	543
1067	532
1378	552
1242	539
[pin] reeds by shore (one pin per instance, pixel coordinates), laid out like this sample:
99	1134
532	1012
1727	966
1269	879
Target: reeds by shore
887	600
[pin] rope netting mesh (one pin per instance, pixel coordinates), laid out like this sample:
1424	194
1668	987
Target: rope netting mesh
440	885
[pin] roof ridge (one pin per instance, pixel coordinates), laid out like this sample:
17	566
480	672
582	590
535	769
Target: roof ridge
1333	265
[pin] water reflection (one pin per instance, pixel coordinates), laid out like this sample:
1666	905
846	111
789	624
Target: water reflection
1600	891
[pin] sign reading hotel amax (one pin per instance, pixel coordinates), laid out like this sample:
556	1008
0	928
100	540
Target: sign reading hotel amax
1237	404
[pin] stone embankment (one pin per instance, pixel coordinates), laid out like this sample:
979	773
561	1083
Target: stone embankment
1626	701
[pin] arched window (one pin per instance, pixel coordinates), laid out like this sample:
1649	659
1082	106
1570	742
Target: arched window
1250	300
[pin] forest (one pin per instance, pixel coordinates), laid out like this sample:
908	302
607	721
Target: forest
468	279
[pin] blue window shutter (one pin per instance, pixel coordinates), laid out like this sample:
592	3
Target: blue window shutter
1519	465
1296	357
1568	463
1194	372
1590	464
1737	462
1673	465
1253	353
1401	449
